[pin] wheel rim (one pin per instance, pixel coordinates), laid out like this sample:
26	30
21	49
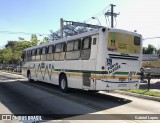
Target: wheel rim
63	83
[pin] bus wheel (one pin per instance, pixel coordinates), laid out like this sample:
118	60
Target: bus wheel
63	84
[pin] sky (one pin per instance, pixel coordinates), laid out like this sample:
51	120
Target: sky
40	16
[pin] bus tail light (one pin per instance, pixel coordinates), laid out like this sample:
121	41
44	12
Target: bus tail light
103	67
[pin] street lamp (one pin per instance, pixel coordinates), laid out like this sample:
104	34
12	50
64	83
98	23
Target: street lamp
97	19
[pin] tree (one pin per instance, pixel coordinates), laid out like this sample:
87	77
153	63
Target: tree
45	40
34	39
6	55
149	50
54	35
69	30
11	44
21	39
13	49
158	51
144	50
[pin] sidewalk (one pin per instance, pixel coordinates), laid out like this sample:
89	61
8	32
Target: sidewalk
154	85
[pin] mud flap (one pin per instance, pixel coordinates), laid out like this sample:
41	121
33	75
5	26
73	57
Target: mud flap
86	79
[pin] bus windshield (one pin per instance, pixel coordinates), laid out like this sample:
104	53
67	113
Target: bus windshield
123	43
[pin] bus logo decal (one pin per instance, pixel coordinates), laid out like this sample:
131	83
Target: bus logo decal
109	62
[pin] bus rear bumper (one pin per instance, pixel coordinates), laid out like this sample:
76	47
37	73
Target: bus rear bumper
110	85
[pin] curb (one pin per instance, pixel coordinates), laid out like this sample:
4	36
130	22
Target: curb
11	72
138	95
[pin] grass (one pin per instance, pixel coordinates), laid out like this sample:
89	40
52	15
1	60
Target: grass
145	92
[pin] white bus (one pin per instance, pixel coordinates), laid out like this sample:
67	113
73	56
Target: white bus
104	59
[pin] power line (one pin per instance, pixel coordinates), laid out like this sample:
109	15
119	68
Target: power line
97	15
23	33
150	38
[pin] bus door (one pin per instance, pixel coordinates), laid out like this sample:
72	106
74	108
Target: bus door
88	56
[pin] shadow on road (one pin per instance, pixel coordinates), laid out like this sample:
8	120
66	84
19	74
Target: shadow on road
40	99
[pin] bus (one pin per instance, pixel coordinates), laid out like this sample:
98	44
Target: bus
103	59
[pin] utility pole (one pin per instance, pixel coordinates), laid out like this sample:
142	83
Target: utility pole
112	14
112	11
61	27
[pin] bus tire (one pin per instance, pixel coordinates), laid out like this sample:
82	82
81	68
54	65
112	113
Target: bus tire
92	91
29	77
63	84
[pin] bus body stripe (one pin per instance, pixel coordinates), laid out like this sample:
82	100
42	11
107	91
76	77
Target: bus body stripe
94	76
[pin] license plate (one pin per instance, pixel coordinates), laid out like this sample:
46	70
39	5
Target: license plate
122	85
122	79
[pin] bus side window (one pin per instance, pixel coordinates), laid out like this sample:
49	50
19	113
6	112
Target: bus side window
86	48
59	53
58	48
77	49
43	55
28	55
33	55
50	53
63	52
73	50
77	45
38	54
70	45
23	56
53	50
94	41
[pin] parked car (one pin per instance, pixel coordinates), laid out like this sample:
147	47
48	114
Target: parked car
18	69
10	67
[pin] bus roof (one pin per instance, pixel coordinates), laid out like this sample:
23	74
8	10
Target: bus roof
79	36
64	39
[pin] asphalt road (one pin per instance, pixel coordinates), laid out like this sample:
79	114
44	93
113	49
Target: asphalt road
17	96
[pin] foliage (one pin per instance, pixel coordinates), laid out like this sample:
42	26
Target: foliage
11	44
13	49
21	39
69	30
54	35
45	40
145	92
149	50
158	51
34	40
6	55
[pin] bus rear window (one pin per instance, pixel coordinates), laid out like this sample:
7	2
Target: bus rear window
136	40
